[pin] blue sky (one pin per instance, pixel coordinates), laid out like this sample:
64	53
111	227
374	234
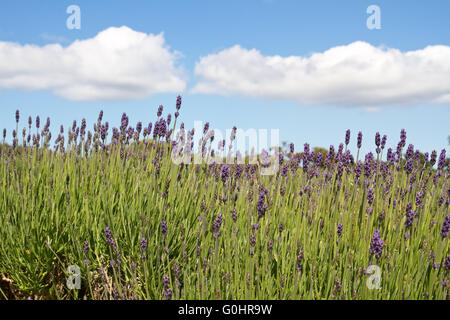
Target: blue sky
196	29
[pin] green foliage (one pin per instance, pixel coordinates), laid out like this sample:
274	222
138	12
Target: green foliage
52	202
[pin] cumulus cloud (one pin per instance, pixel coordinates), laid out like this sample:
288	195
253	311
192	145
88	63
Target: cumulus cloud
116	64
357	74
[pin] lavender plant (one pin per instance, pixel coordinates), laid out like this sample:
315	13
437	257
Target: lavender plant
139	226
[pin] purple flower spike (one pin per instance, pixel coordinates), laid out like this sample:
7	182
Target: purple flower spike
410	214
441	163
383	141
433	157
376	245
225	172
86	252
166	282
178	106
164	228
403	137
109	237
425	157
160	110
143	246
139	127
445	227
17	116
168	293
447	263
261	207
216	225
206	128
347	137
377	139
370	196
359	140
86	247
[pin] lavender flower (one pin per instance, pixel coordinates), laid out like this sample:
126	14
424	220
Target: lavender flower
409	152
160	110
340	149
377	139
447	263
225	172
359	140
433	157
347	137
143	247
166	281
252	242
425	157
368	165
86	251
261	207
109	237
164	228
281	227
168	293
445	227
358	170
339	229
216	225
205	128
383	141
139	127
86	247
409	166
376	245
233	134
410	214
441	200
390	156
83	127
402	138
17	116
178	105
419	198
299	259
270	245
441	163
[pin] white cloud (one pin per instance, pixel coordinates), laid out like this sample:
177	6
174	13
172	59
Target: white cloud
116	64
357	74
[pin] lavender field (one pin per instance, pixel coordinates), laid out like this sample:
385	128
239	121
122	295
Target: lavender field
109	209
